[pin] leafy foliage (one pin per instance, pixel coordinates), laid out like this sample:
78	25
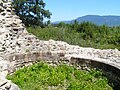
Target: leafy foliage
32	12
41	76
85	34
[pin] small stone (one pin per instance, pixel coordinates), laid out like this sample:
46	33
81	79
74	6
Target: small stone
8	85
14	87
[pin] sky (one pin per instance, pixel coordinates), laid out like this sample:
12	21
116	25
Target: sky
72	9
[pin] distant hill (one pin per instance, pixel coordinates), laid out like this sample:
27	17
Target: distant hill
99	20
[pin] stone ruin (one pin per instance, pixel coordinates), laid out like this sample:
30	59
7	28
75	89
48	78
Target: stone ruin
19	48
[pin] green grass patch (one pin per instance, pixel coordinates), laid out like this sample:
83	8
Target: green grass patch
41	76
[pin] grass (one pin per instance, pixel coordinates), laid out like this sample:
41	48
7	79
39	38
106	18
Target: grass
41	76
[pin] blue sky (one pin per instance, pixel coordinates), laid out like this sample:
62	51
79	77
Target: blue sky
71	9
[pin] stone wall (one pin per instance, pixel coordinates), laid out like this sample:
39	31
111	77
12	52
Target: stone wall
110	70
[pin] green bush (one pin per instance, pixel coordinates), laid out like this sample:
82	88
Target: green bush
42	76
84	34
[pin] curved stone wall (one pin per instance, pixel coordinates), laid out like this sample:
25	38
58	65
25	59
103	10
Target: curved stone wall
110	70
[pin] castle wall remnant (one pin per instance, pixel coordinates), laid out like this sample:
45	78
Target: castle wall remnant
19	48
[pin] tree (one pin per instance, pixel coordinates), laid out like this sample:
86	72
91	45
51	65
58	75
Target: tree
89	29
75	25
61	24
31	12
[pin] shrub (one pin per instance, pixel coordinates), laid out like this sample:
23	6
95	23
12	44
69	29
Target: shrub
41	76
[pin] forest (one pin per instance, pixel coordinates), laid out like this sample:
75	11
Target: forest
85	34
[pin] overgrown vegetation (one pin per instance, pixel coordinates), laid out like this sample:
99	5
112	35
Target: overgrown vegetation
85	34
42	76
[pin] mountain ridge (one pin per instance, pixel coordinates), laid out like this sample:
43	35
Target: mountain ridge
109	20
